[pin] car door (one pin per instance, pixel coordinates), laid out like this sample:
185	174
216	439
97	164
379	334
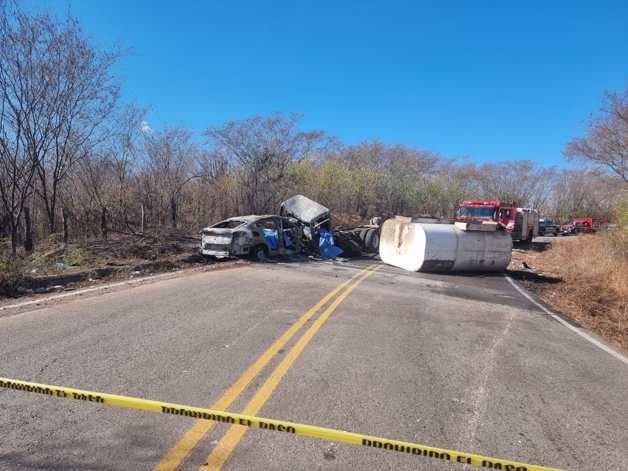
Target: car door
291	235
269	229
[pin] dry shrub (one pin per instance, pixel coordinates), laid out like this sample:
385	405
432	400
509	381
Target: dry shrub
594	269
11	273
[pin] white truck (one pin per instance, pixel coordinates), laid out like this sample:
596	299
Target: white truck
526	225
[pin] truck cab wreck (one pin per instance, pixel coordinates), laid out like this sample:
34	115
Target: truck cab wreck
312	215
252	236
316	222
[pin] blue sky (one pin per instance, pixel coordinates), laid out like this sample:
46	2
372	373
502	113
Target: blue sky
488	80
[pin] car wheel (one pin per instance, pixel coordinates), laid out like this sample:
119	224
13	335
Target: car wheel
260	253
371	241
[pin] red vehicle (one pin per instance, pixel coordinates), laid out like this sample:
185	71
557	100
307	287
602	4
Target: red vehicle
521	223
580	226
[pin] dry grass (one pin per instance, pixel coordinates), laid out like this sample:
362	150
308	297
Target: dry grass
594	286
120	257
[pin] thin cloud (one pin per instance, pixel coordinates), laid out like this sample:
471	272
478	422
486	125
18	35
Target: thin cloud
146	128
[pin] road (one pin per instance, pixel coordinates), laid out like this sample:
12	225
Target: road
461	362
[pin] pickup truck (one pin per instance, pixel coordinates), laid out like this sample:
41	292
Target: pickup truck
547	227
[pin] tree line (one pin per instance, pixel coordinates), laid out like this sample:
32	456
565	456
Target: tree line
75	161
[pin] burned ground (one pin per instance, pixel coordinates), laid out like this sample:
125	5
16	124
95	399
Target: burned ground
56	267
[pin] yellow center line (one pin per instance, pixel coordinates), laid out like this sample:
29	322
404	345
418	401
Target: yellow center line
230	441
177	455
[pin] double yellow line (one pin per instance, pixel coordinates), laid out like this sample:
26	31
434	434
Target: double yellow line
178	454
263	423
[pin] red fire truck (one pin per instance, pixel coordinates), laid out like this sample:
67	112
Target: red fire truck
580	226
521	223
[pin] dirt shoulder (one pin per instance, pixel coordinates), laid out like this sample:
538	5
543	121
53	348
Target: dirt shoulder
54	267
583	277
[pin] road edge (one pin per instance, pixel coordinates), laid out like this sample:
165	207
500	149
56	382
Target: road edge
578	330
6	311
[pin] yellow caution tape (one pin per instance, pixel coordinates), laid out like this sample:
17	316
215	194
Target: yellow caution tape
407	448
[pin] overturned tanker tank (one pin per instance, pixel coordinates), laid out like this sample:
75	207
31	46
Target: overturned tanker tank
468	246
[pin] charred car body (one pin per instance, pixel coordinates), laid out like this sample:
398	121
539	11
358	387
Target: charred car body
254	236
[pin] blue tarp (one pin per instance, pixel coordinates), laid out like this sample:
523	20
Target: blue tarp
271	237
326	245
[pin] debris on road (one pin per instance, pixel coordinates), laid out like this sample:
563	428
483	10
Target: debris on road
353	241
467	246
327	247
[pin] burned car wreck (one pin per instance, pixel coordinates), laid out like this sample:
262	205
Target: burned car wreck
255	236
303	225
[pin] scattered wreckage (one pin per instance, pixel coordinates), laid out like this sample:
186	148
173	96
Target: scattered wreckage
303	225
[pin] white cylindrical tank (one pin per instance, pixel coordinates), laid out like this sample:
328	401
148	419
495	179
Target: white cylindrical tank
442	247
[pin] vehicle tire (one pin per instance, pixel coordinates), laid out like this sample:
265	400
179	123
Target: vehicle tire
375	241
259	253
530	237
371	241
360	239
346	242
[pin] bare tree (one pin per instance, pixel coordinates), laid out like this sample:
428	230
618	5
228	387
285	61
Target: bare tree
24	123
524	182
80	94
261	150
171	158
583	193
56	91
449	184
386	176
93	183
606	142
216	192
124	153
17	170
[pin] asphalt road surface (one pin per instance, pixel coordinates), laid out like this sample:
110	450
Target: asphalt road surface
460	362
